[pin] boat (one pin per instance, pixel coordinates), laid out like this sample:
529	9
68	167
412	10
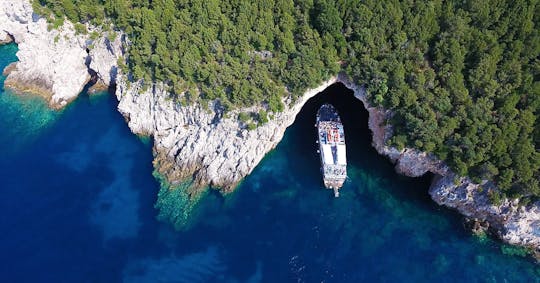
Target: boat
332	149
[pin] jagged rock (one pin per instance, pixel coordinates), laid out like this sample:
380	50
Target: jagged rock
52	63
203	143
477	226
9	69
5	38
514	224
191	141
213	148
103	58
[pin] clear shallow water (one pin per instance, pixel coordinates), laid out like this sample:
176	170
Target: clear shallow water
78	194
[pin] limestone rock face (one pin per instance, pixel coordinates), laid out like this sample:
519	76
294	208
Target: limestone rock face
104	57
52	63
514	224
5	37
192	141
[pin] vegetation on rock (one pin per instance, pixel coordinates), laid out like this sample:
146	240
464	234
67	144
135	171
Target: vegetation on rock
461	77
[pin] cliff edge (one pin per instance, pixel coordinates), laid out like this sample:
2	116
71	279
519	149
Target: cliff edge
514	224
202	143
54	63
208	146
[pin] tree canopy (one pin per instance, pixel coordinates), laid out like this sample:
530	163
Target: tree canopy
461	77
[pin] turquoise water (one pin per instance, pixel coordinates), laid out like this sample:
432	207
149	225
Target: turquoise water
78	200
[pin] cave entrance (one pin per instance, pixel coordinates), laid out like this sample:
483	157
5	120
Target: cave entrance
361	155
353	116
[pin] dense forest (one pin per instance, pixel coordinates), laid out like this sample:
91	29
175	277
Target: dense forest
462	77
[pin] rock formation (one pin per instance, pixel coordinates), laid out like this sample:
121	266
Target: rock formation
203	142
52	62
206	144
514	224
103	58
214	149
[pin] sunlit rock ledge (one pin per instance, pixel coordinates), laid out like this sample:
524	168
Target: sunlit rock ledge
53	63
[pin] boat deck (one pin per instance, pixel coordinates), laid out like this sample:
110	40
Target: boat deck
331	139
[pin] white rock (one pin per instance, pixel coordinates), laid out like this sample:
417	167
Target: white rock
218	152
514	224
51	63
104	56
53	60
201	141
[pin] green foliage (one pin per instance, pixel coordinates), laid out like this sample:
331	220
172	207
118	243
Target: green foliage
94	35
262	117
327	18
112	36
57	22
80	28
495	197
461	84
251	126
244	117
461	77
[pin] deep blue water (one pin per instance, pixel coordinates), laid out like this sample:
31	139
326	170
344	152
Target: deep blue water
77	197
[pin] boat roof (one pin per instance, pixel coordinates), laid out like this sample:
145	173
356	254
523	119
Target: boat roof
328	158
334	154
331	132
341	155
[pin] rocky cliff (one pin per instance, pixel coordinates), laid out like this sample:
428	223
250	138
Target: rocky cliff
215	149
53	63
203	143
199	142
513	223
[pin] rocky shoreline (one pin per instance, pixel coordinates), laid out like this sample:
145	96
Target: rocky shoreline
209	146
512	223
203	143
53	63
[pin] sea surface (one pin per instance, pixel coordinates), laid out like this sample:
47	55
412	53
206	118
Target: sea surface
77	205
